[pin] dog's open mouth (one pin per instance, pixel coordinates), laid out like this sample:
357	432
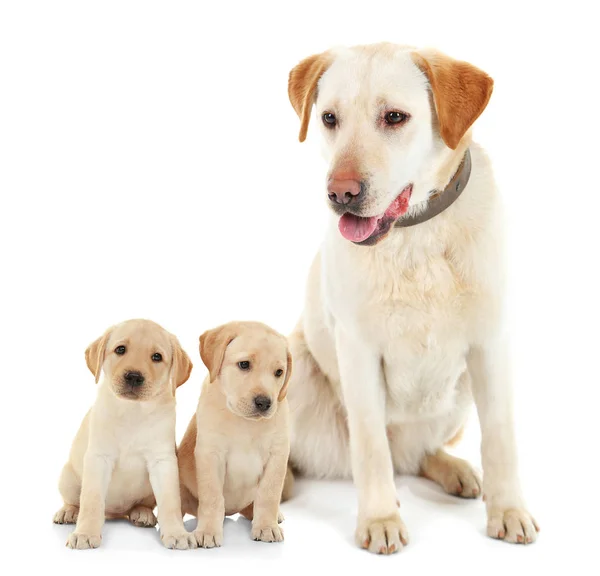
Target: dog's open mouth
368	231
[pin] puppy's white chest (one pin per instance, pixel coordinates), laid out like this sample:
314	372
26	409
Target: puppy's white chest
129	483
244	467
130	447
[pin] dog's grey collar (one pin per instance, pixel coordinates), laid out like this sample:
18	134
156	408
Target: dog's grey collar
438	201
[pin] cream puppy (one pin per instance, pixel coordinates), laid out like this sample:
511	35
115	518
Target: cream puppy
403	323
234	454
123	460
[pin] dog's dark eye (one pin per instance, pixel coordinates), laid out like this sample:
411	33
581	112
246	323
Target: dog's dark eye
329	119
156	357
244	365
120	350
278	373
395	117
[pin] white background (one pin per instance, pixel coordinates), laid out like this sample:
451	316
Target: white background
149	167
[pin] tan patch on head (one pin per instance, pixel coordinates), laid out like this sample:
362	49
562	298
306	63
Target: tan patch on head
288	373
94	354
460	92
181	366
213	344
302	87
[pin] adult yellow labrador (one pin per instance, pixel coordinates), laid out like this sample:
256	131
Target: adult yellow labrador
402	325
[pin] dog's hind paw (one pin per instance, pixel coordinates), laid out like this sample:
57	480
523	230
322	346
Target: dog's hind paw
67	515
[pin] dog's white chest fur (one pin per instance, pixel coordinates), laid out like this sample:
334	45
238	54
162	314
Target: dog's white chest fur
413	306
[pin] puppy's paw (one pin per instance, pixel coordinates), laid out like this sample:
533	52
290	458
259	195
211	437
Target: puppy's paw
280	517
512	525
462	480
208	538
66	515
180	540
267	533
77	541
382	535
142	516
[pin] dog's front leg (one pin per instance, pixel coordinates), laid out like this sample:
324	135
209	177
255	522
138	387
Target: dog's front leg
508	518
379	528
265	523
97	471
210	475
164	478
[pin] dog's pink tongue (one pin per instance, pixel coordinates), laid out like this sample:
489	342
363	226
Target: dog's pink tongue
355	228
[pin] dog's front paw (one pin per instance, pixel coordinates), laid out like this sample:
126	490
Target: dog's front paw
77	541
267	533
66	515
207	538
512	525
178	540
382	535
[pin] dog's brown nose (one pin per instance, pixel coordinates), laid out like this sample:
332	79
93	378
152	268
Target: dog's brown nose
134	378
345	190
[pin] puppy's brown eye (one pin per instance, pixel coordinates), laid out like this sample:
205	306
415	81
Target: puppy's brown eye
329	120
278	373
395	117
244	365
156	357
120	350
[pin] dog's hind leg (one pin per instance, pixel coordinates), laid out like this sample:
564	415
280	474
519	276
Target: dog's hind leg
69	486
319	436
142	514
288	484
454	475
189	504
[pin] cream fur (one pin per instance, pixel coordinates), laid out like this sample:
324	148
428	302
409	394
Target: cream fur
123	462
233	458
397	340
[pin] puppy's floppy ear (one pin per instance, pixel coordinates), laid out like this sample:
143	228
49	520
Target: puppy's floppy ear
460	92
181	367
302	87
212	348
288	373
94	354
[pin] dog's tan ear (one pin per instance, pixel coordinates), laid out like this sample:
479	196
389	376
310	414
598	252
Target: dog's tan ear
212	348
302	87
94	354
181	367
460	93
288	373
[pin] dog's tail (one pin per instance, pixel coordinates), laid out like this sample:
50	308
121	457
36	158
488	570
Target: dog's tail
288	484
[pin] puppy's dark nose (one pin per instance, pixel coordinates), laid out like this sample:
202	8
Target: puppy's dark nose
345	190
134	378
262	403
